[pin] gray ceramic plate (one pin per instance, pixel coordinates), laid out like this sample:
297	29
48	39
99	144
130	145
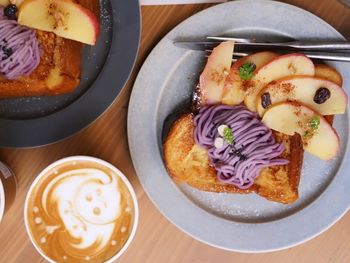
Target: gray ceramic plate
246	223
106	67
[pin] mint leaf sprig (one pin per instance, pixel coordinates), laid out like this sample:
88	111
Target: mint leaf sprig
313	125
314	122
246	71
228	135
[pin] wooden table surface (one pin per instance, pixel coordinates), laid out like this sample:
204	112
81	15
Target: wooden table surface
157	240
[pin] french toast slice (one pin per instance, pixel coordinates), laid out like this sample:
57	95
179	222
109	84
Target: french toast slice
189	163
57	73
59	69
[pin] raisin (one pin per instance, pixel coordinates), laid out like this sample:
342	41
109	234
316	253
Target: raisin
265	100
321	95
10	11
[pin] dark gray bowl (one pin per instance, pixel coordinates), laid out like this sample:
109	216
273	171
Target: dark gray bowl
34	121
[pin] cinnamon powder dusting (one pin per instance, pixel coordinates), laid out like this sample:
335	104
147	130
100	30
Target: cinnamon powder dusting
250	86
292	69
285	88
219	77
301	119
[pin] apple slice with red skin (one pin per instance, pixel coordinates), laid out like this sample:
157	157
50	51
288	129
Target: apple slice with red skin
331	74
306	90
65	18
282	66
234	91
292	117
212	79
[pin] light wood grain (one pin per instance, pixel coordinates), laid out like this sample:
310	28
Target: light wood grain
157	240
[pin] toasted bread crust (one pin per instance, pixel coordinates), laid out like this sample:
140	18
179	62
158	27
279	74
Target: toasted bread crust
280	183
189	163
59	69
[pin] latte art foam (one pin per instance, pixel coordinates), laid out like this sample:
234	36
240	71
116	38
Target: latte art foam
80	212
88	203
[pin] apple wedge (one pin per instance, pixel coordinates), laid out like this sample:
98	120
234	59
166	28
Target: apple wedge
329	73
14	2
282	66
234	91
212	79
321	95
65	18
4	3
318	136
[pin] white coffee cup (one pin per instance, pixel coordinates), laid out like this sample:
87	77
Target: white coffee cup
93	160
7	189
2	200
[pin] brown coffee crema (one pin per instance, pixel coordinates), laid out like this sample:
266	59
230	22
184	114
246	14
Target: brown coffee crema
80	211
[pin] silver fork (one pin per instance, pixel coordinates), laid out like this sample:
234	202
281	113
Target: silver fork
324	50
